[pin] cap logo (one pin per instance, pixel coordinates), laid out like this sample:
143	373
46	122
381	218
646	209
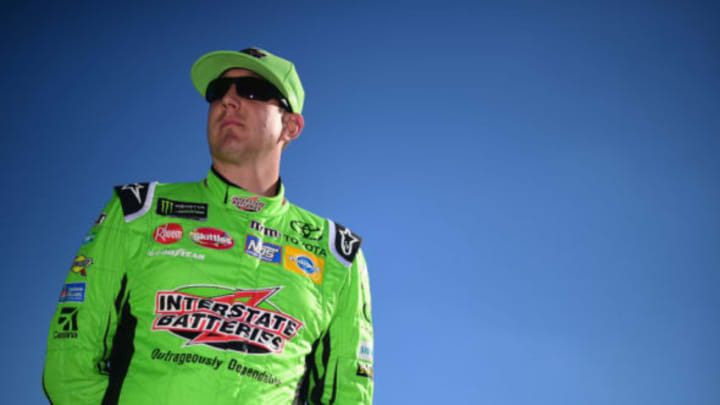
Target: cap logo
254	52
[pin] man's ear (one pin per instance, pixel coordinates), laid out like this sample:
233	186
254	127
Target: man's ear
292	126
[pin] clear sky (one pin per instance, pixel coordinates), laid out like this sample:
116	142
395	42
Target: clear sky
537	183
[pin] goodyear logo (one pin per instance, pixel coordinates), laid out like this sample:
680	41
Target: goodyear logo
304	263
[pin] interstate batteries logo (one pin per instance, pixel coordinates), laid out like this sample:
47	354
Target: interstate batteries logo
225	318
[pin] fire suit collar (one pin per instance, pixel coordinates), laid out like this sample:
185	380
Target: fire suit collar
242	201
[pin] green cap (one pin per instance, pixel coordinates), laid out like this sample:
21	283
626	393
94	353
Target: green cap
278	71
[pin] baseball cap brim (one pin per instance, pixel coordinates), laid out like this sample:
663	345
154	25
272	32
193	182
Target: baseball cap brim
213	64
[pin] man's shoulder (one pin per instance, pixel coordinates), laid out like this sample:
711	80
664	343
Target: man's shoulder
343	243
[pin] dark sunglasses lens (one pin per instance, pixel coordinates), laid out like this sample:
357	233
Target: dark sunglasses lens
247	87
254	89
217	89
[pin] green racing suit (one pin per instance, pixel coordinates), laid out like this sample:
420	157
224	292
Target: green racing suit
206	293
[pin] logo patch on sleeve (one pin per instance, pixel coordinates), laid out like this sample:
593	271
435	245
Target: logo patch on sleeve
343	243
365	370
89	238
67	327
135	199
80	264
365	351
73	292
100	219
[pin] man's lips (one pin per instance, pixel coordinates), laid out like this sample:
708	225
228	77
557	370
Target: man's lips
228	121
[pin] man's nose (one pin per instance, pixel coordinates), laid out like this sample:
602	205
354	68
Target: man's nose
231	97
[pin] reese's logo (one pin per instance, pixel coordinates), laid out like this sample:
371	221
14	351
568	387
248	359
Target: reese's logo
225	318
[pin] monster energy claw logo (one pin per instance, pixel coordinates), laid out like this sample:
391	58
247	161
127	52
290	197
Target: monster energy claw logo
165	206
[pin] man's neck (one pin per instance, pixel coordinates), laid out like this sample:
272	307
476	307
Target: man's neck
261	181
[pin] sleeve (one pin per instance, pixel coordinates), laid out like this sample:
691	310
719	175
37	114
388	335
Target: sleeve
342	360
85	320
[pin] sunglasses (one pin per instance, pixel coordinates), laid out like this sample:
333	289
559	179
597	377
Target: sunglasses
251	88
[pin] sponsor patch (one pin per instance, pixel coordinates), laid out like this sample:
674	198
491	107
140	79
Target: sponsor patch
80	264
212	238
308	231
365	370
168	233
88	238
264	230
249	204
177	253
100	219
136	190
67	324
304	263
365	351
225	318
343	243
135	199
264	251
182	209
73	292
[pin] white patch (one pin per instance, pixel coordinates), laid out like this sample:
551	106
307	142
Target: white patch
365	351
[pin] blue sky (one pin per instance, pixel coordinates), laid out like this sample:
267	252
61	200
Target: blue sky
536	183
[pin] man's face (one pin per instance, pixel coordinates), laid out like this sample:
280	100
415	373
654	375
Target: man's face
241	129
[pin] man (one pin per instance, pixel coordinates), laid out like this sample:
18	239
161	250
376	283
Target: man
219	291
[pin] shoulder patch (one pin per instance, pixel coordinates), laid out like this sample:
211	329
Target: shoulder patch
343	243
136	199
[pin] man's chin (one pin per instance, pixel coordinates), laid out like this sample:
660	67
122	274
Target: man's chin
231	153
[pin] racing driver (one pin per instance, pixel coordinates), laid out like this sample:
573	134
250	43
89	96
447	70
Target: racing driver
219	291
